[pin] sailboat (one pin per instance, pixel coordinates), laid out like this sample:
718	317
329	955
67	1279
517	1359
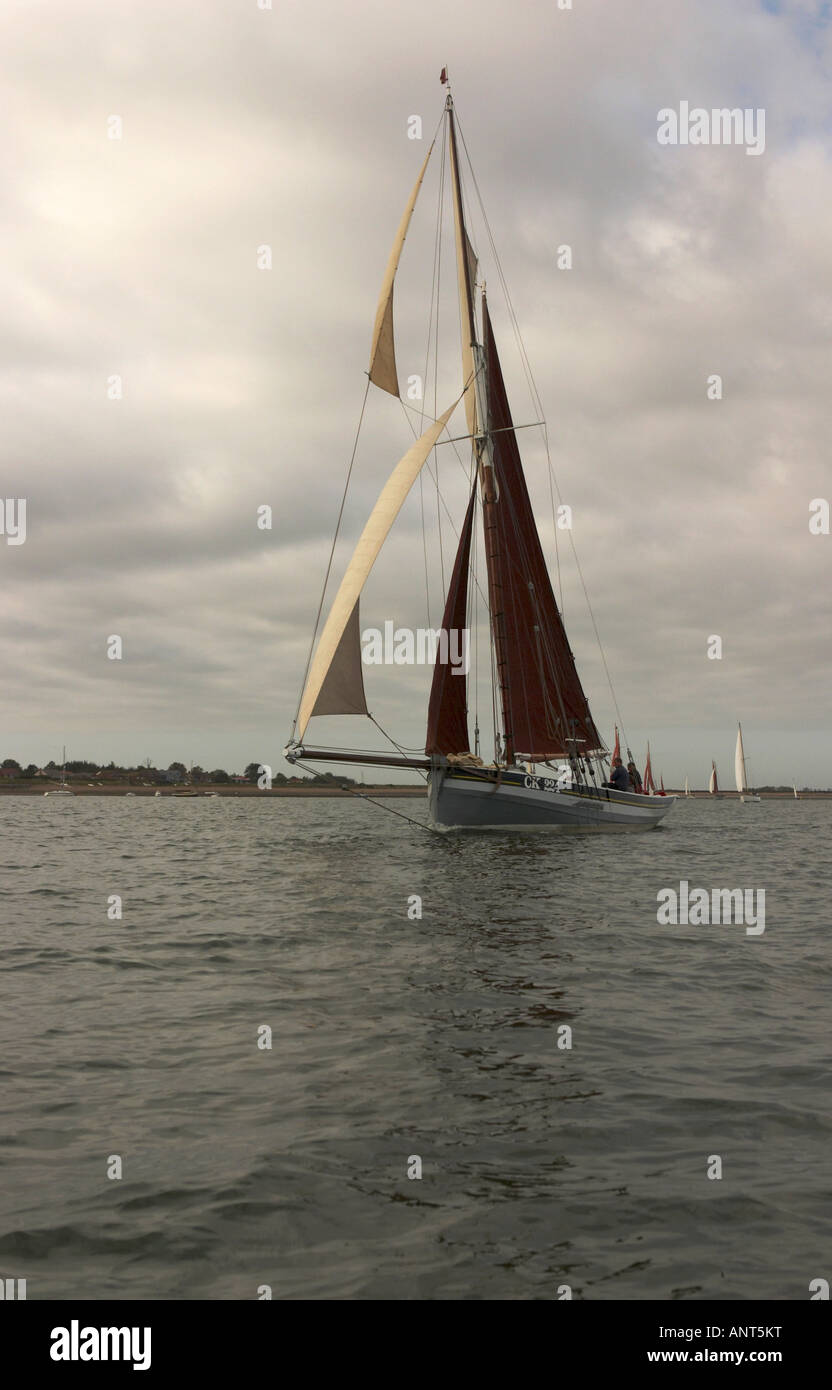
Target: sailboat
648	783
687	788
63	789
740	771
796	792
713	784
548	765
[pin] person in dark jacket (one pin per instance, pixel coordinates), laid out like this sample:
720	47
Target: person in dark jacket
635	777
619	777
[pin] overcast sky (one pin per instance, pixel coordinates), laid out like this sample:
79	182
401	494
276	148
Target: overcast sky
288	127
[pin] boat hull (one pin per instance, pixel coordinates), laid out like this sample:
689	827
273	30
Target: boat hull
470	798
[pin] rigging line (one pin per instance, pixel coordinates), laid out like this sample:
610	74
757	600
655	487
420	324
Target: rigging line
504	284
527	369
506	429
435	480
555	529
424	545
362	796
539	405
400	748
331	554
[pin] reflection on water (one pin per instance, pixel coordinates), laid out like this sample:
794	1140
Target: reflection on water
562	1065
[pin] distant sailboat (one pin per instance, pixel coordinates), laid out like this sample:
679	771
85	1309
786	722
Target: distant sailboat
796	792
63	789
740	771
687	788
541	714
649	784
713	784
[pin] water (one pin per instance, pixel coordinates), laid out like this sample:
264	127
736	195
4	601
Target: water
393	1038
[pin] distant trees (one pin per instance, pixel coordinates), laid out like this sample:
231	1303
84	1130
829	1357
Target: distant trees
176	772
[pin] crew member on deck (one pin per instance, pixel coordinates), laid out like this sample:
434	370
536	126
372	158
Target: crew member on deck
619	777
635	777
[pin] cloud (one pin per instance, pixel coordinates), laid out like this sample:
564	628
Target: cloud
288	128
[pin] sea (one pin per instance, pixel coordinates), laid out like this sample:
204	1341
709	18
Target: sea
309	1049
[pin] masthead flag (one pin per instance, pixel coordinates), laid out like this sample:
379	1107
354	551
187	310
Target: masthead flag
443	76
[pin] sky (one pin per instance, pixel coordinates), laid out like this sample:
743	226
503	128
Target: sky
137	257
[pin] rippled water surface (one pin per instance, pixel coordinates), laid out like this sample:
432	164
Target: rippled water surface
542	1166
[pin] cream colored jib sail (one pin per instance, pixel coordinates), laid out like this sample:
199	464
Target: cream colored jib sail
317	694
383	350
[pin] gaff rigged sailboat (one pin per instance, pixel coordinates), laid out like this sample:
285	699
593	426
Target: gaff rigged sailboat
740	774
548	768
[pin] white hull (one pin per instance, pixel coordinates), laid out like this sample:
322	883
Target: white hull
475	799
749	796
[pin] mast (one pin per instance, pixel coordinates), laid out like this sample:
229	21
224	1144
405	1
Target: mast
477	404
740	773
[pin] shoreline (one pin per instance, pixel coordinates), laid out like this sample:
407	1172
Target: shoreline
39	787
206	789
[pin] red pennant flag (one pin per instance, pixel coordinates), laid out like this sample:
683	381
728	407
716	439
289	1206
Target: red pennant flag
443	76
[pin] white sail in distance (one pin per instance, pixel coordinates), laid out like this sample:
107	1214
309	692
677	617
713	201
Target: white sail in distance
739	763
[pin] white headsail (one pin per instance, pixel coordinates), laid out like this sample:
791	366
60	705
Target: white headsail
316	695
383	350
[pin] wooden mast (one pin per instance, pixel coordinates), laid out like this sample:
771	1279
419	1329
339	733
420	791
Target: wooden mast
472	358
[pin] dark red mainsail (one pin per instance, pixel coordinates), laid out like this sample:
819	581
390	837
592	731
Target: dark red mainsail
448	707
545	710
